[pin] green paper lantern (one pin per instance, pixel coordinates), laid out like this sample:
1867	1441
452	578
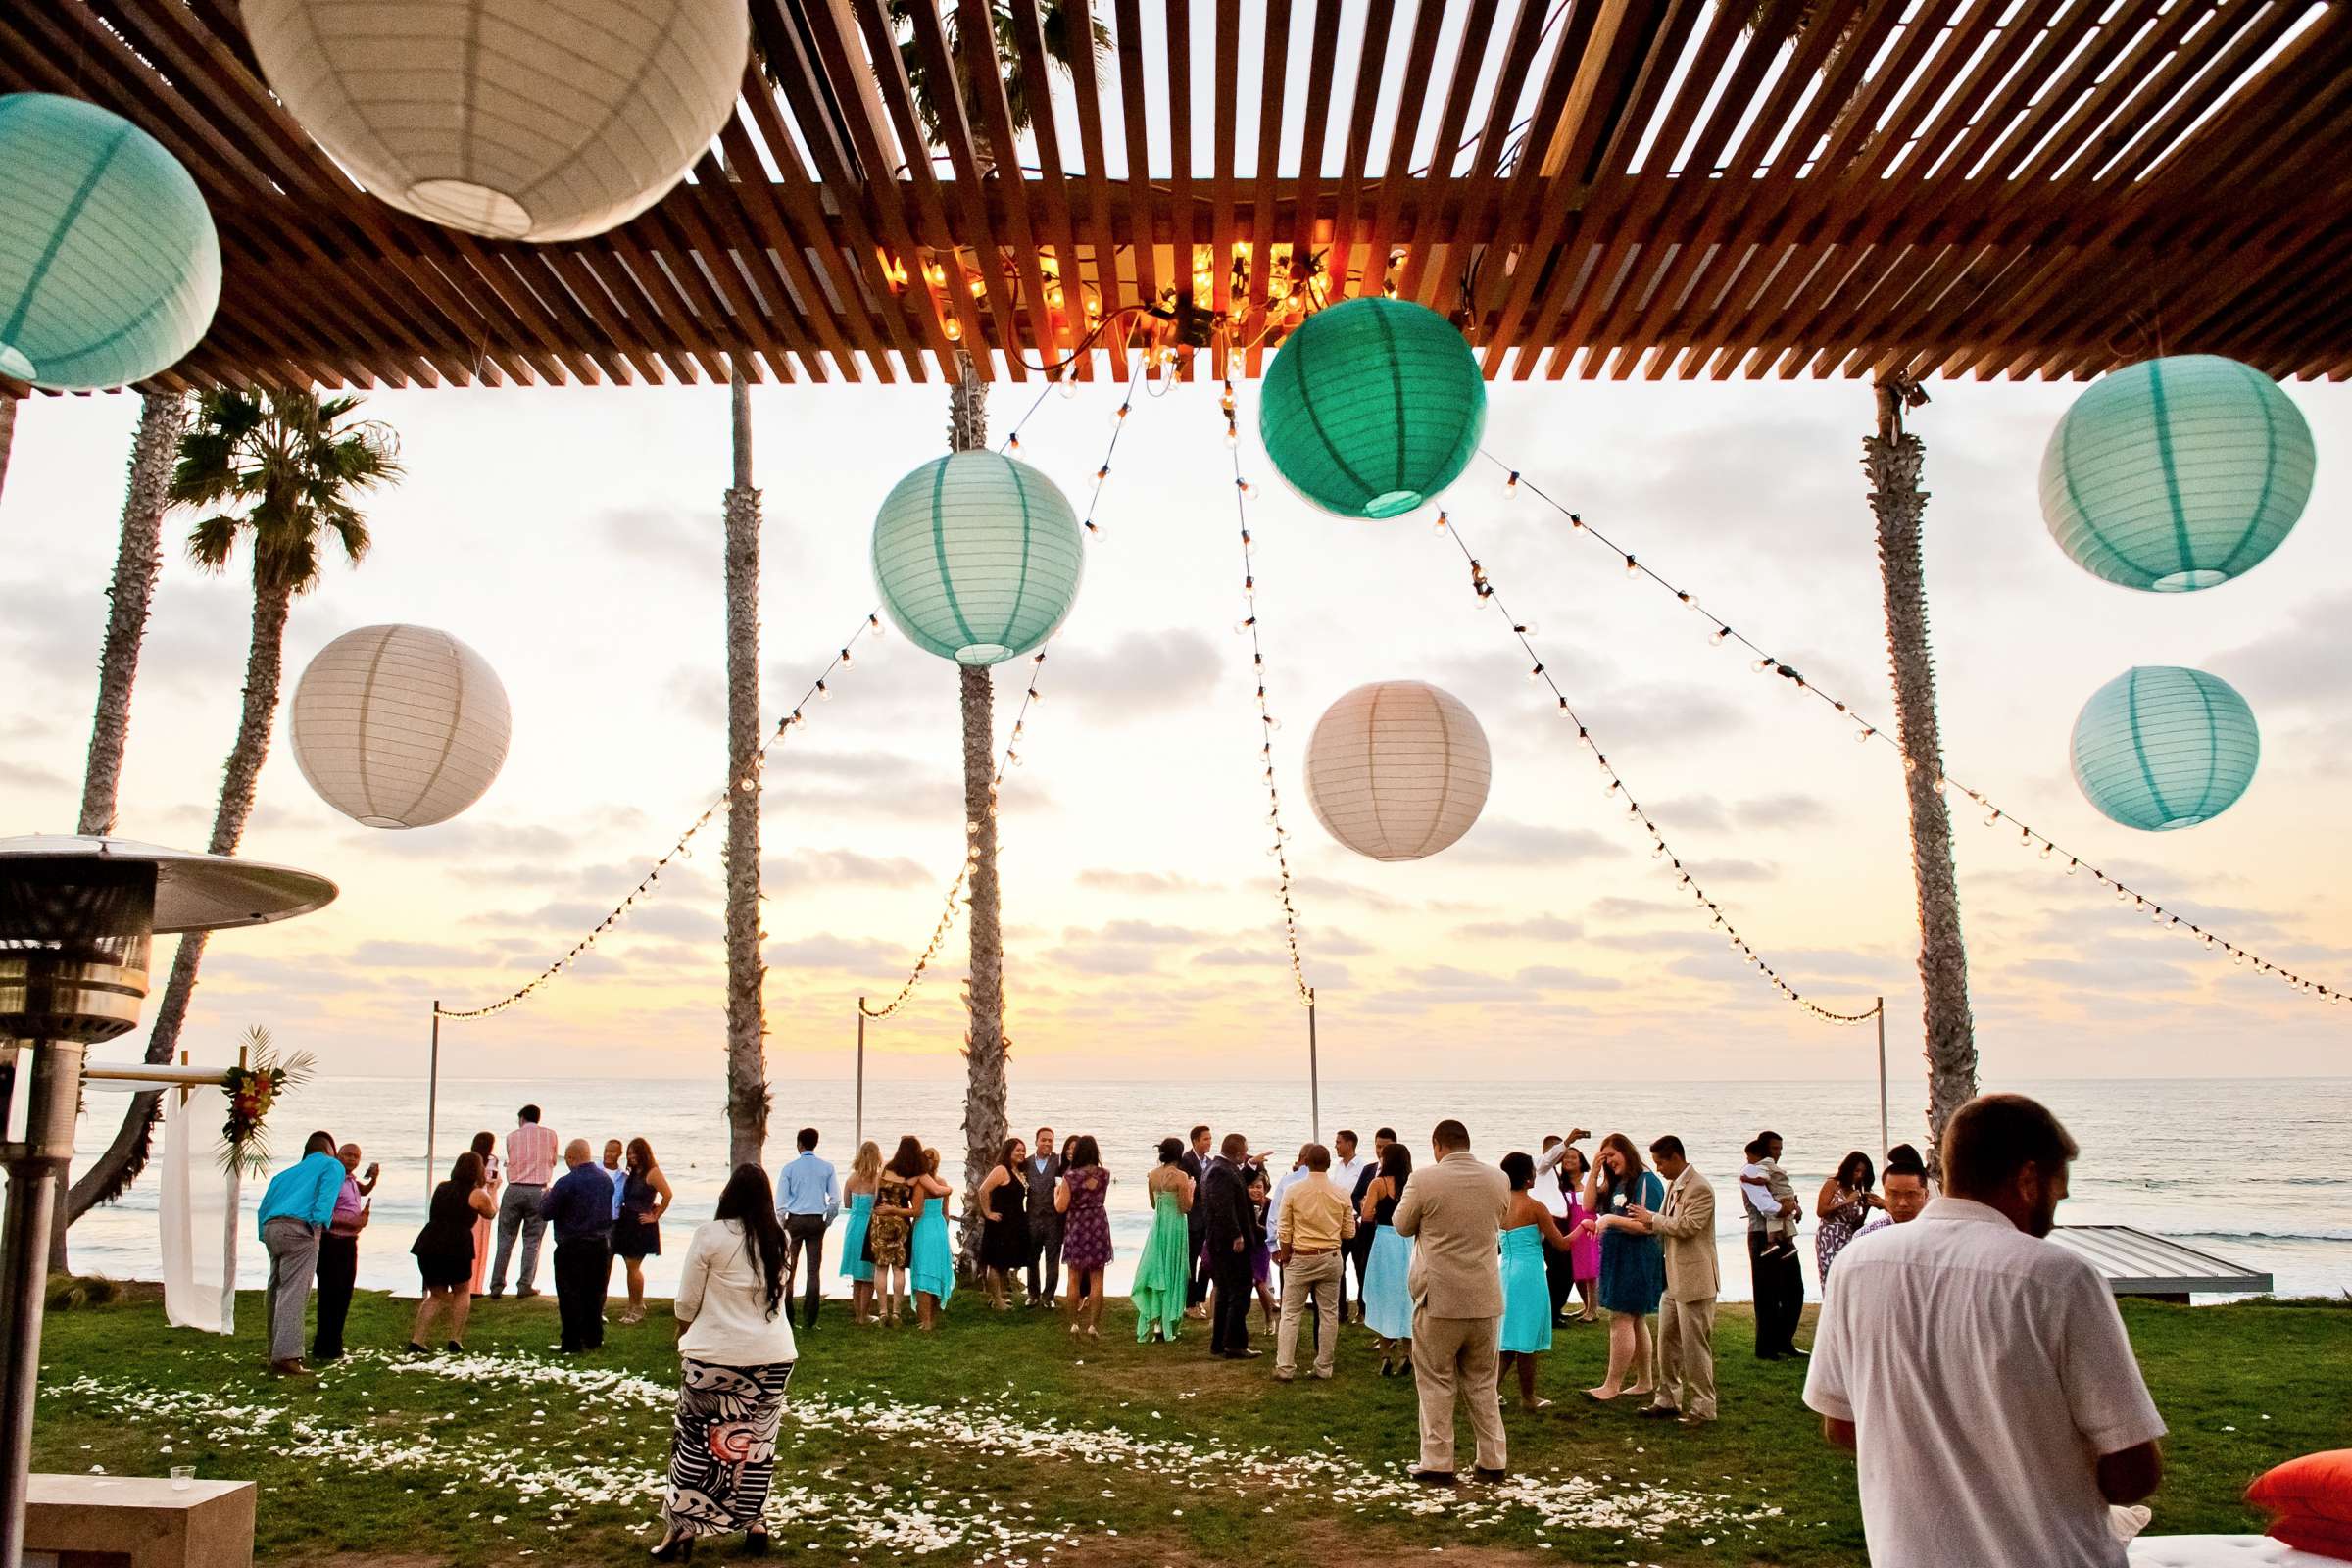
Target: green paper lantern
2176	474
2160	747
1373	407
109	265
978	556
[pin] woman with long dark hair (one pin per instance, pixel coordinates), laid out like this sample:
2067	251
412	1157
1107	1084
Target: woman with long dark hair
1845	1202
1167	1263
1086	1232
485	1143
930	1263
645	1196
1004	1226
1633	1262
447	1257
892	1223
736	1355
1529	1235
1388	1300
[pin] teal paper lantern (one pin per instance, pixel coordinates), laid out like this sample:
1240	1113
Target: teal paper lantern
2160	747
978	556
109	265
2176	474
1373	407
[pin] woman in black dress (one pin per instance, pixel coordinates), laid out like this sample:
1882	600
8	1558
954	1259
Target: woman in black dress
1005	1232
645	1196
444	1249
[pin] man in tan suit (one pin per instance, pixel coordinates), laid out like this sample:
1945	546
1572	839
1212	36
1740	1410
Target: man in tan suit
1454	1211
1687	1314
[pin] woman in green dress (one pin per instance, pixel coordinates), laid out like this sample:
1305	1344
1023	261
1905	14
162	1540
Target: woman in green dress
1527	1230
1167	1263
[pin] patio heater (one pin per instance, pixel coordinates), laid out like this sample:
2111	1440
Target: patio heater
77	916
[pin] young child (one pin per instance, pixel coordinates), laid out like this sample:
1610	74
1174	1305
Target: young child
1755	1186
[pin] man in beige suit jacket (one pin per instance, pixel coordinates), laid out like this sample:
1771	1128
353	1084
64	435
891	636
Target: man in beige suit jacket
1453	1211
1687	1314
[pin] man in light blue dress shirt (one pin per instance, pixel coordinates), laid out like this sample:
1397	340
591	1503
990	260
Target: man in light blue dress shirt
807	1197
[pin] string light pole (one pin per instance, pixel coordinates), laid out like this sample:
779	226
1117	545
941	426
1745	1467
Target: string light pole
1866	729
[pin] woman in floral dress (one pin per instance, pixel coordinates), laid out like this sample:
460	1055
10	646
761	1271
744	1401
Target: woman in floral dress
1086	1232
892	1222
1845	1204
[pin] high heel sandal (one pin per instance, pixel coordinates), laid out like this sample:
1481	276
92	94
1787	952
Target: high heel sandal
754	1542
678	1548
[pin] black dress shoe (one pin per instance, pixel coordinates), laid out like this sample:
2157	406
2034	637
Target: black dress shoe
1435	1477
1490	1476
1659	1412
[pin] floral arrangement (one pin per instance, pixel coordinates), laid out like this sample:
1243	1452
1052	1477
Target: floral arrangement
253	1087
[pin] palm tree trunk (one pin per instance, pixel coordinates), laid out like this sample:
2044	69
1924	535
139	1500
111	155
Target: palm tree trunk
747	1010
1894	460
126	1157
986	1085
8	431
139	555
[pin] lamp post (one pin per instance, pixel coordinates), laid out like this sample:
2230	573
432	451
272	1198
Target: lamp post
77	918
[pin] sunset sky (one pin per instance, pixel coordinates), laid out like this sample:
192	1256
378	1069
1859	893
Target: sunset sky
573	537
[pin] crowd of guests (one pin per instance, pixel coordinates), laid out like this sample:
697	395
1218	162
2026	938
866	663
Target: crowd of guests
1463	1271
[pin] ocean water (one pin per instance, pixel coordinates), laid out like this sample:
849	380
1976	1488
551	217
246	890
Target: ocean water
2250	1170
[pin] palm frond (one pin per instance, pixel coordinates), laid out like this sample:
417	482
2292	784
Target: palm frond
285	466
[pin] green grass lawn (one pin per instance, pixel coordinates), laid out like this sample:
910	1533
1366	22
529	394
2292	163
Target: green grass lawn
1000	1439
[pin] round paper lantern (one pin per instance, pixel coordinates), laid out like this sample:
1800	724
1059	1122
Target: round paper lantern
2176	474
1397	769
109	263
978	556
399	726
2160	747
537	120
1372	407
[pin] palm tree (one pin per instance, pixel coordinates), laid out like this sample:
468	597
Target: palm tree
285	468
986	1082
1893	460
138	557
8	429
747	1009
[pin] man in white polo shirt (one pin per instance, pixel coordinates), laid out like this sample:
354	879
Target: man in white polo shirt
1981	1373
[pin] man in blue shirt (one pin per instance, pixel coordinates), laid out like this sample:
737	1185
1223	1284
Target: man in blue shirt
807	1197
579	1206
296	1207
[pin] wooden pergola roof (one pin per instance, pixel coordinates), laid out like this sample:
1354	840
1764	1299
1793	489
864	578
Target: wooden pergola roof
1618	187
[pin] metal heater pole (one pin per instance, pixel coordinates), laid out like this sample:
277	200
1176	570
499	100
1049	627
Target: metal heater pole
1882	1139
857	1135
36	1170
432	1104
1314	1074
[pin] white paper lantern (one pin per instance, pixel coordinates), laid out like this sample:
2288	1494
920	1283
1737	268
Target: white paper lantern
399	726
1397	769
537	120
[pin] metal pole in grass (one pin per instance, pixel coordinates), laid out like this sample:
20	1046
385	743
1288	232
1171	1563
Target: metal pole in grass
432	1102
1314	1076
858	1134
1881	1010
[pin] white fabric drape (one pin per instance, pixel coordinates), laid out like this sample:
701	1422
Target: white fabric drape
196	1207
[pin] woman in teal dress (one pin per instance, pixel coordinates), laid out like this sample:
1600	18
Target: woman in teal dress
856	1250
1167	1262
1633	1262
930	1265
1527	1230
1388	1300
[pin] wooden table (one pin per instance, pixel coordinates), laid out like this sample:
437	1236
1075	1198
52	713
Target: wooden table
99	1521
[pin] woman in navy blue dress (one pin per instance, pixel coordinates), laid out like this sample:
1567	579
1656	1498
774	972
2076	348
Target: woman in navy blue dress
1632	1263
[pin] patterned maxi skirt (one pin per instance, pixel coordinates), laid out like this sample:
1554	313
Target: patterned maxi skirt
722	1453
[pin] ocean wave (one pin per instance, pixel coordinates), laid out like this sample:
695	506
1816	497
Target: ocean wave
2329	1234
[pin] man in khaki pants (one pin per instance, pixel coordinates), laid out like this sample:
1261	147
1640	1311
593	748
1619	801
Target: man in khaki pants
1453	1209
1310	1240
1687	1314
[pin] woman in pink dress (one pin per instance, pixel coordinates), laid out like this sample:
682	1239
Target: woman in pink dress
486	1146
1583	1250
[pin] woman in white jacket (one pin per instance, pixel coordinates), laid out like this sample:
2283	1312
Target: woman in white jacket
736	1353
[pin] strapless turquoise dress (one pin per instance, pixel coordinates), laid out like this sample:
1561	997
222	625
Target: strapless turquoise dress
1526	1297
928	1261
854	1264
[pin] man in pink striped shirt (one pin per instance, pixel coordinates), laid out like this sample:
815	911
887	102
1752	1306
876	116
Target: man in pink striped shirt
530	1165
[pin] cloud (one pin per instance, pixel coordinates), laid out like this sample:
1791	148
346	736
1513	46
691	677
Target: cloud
1618	907
1136	932
1498	841
1733	870
1782	811
30	776
2296	664
668	536
842	868
2110	974
397	954
1145	882
1106	958
1536	928
1326	887
1551	977
1141	674
825	951
1691	812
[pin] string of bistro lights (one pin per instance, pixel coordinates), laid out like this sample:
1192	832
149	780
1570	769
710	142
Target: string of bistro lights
954	899
819	690
1242	490
1618	788
1867	729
